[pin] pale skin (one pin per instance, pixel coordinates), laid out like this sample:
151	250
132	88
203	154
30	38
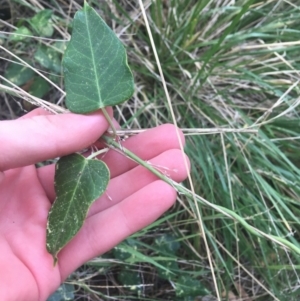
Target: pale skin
134	198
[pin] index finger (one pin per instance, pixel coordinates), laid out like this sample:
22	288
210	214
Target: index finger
41	137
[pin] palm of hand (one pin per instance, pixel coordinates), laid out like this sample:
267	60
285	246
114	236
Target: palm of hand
24	207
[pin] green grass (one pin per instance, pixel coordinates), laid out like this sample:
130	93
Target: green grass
226	66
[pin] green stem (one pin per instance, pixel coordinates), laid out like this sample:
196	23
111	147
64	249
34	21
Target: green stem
182	190
97	153
106	115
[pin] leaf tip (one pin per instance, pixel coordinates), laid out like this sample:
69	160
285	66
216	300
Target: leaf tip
55	260
85	5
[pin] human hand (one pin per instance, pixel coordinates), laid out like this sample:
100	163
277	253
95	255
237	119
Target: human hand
134	197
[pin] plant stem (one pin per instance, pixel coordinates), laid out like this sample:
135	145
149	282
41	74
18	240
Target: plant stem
182	190
106	115
97	153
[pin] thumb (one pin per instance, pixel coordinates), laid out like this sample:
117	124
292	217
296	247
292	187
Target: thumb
41	136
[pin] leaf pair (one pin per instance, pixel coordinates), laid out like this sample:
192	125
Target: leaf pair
96	75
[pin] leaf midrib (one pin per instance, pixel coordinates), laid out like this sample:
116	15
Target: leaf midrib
93	59
84	165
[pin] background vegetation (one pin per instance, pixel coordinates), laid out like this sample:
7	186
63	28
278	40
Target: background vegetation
228	65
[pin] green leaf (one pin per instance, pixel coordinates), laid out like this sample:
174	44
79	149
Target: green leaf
60	46
20	34
42	24
122	253
48	58
78	182
167	243
130	278
18	74
64	292
39	87
168	271
95	65
187	286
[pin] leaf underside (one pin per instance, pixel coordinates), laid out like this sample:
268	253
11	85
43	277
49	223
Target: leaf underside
78	182
95	65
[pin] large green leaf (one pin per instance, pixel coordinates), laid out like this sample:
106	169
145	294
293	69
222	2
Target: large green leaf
78	182
95	65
